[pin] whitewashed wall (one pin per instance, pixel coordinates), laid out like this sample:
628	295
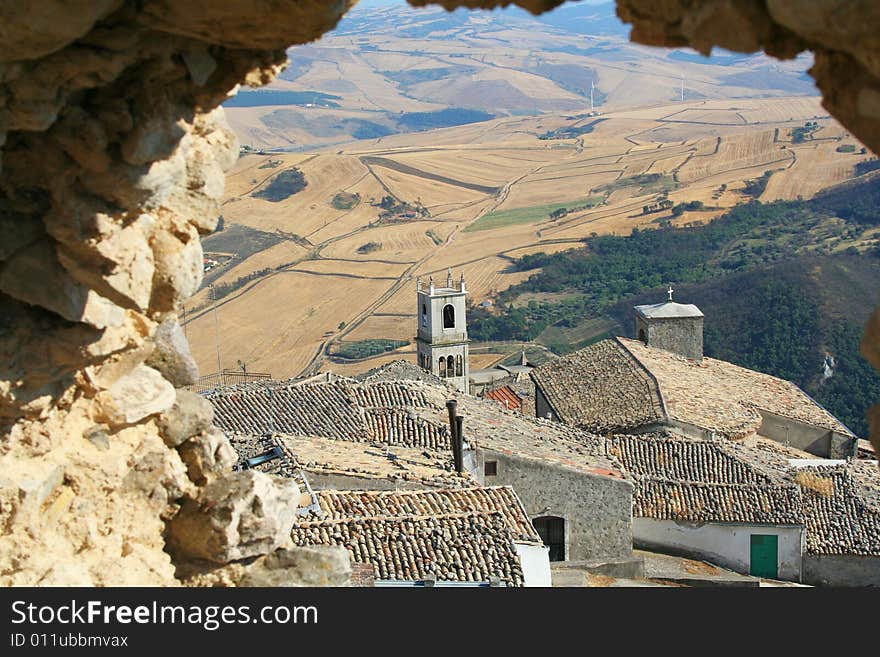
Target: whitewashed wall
728	545
535	560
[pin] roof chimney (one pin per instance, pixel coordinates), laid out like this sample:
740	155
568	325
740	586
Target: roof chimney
456	429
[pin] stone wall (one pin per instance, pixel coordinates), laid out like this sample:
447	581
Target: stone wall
597	509
112	168
683	335
114	151
841	570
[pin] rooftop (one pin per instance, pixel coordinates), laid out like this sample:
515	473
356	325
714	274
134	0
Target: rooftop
668	310
341	505
454	534
468	547
754	481
396	429
622	384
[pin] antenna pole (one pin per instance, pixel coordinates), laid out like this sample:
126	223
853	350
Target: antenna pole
216	332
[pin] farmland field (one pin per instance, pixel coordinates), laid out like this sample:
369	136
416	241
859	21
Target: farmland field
319	271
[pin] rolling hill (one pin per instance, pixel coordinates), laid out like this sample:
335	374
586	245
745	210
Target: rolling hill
390	68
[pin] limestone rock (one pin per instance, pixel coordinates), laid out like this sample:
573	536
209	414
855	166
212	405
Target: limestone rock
35	275
206	456
136	396
45	29
189	415
172	356
243	514
300	566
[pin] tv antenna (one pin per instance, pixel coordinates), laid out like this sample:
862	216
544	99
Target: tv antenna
592	107
682	87
216	331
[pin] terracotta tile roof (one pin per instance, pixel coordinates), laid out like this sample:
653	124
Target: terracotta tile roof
754	482
841	509
339	505
679	478
621	384
717	395
506	397
399	370
600	388
399	464
471	547
398	427
403	415
320	409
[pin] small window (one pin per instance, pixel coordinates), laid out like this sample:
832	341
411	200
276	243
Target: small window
458	368
450	366
442	367
490	468
448	316
424	315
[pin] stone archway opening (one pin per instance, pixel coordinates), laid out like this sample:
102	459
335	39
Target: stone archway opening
113	157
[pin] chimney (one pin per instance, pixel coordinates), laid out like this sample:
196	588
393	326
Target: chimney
456	429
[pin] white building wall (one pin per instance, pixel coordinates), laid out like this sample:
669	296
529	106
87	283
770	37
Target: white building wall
535	560
728	545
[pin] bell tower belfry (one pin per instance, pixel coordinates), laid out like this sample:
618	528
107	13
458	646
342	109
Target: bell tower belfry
442	339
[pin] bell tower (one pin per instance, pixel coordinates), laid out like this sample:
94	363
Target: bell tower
442	339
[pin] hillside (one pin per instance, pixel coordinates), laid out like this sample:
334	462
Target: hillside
389	68
320	251
783	286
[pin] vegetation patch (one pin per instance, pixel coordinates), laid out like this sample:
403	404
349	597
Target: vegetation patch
445	118
774	280
368	348
802	133
570	132
531	214
756	186
283	186
369	247
264	97
434	237
846	148
393	209
345	201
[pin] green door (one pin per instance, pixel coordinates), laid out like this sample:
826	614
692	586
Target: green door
765	556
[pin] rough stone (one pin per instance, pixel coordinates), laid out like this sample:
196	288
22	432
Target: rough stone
243	514
300	566
136	396
206	456
190	415
172	356
113	149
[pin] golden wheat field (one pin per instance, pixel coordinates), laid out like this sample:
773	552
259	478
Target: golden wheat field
342	254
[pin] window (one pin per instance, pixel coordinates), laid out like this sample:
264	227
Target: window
458	362
424	315
442	367
448	316
551	529
450	366
490	468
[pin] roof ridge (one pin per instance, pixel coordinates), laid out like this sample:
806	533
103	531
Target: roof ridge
657	389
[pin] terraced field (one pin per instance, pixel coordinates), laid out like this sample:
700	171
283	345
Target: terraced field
473	198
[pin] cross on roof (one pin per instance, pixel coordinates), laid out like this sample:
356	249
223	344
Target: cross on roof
669	292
